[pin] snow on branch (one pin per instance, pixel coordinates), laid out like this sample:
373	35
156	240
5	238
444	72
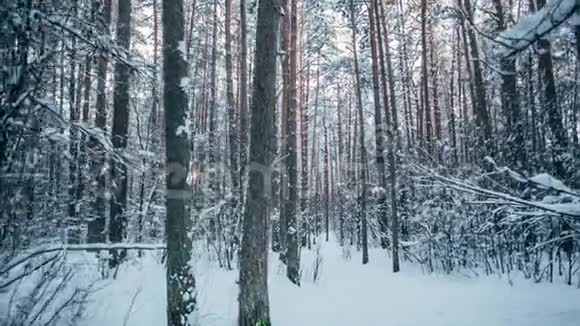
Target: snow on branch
533	27
543	180
83	247
567	210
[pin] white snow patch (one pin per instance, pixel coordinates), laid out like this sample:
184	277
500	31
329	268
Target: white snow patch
184	82
182	130
182	47
346	294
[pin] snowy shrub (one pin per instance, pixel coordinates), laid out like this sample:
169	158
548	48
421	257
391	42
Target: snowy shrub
42	292
497	223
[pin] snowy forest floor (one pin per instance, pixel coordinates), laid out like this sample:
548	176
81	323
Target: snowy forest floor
347	293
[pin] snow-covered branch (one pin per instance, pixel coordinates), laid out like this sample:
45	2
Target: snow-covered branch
83	247
534	27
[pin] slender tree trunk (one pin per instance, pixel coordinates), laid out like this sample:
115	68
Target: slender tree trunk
231	107
326	181
213	142
361	136
393	136
293	250
451	108
427	136
243	94
304	124
285	47
435	90
379	132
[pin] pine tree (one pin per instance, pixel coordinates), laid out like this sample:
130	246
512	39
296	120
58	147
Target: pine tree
181	295
119	133
254	306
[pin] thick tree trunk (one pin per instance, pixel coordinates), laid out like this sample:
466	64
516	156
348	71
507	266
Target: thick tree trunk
482	118
119	171
253	298
74	202
516	155
181	297
552	106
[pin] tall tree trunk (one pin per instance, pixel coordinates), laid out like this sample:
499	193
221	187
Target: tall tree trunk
393	135
243	93
435	90
427	136
293	250
181	295
576	100
326	182
552	105
406	77
74	202
285	46
375	29
304	124
516	155
452	102
462	94
119	172
231	107
253	298
482	119
361	136
213	143
96	227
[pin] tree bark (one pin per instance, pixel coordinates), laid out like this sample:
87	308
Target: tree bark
243	94
181	297
253	298
361	136
393	136
283	195
231	107
553	109
119	171
293	250
375	29
516	155
427	136
482	119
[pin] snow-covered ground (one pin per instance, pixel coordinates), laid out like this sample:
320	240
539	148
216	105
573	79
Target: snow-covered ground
346	294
